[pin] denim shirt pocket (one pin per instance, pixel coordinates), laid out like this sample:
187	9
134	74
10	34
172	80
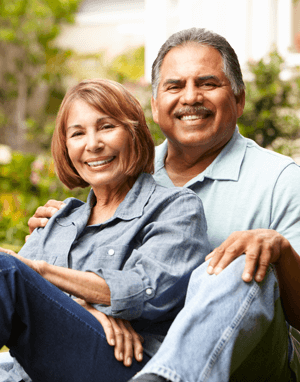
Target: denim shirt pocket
110	256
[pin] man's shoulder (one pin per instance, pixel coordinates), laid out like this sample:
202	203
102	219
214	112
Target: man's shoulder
264	158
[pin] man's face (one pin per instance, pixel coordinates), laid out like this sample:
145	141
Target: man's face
195	105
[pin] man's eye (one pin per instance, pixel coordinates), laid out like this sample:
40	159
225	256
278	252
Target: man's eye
173	87
209	85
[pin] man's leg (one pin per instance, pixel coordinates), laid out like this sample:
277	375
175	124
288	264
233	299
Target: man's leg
228	330
51	336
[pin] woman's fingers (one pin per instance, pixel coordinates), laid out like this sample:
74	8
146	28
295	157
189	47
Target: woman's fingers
120	334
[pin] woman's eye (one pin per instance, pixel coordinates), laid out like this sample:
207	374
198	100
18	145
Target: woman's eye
76	133
107	126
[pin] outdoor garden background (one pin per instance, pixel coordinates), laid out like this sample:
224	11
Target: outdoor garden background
34	75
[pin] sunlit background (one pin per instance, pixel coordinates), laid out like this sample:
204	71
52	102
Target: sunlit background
48	45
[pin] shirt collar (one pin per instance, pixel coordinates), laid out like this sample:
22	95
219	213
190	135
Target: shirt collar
131	207
226	165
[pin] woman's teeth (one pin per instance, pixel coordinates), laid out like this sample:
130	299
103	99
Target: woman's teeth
100	162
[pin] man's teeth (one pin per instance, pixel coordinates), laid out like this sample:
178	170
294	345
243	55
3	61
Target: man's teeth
100	162
191	117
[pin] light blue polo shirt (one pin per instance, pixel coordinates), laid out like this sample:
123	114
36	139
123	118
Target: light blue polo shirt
245	187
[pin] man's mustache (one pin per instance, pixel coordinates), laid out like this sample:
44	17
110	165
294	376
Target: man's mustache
192	110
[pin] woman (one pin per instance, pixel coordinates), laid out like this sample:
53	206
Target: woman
128	251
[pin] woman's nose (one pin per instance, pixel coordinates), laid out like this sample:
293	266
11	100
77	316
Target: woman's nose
94	142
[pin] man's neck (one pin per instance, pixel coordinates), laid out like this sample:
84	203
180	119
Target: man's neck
185	164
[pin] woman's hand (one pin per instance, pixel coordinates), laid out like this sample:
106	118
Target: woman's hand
36	265
120	334
42	214
261	246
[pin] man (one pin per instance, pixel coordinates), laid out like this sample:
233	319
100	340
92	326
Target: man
232	327
228	329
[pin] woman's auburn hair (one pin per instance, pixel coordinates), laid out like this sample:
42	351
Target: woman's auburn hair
113	99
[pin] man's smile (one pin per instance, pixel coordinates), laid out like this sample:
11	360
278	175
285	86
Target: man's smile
191	113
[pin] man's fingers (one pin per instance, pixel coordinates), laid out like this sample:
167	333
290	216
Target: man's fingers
34	223
40	218
264	261
54	204
252	258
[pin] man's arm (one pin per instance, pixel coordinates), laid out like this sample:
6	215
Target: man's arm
263	247
278	243
42	214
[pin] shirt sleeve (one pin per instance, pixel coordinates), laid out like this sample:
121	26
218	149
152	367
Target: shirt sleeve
285	217
154	279
30	248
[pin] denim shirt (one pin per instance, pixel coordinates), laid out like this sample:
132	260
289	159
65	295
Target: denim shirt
145	252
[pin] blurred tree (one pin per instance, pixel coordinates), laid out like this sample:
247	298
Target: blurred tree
129	66
270	114
31	66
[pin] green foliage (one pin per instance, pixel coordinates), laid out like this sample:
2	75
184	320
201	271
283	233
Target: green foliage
27	182
270	114
29	60
128	66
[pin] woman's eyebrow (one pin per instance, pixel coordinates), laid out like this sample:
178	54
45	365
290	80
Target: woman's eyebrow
99	120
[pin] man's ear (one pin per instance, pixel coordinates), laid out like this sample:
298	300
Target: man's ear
154	109
240	103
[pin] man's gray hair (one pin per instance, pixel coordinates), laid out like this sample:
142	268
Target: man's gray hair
231	66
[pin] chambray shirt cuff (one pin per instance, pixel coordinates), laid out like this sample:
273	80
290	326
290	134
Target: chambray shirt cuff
128	293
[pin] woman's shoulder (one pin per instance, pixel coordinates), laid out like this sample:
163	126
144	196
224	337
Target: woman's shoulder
69	211
164	194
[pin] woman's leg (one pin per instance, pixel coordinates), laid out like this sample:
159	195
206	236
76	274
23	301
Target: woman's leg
53	337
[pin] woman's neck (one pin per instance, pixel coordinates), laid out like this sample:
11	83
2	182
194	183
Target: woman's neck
107	201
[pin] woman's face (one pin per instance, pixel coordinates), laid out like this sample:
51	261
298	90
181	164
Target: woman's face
98	146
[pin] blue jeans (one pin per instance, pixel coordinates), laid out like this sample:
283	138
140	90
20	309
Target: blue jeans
228	330
53	337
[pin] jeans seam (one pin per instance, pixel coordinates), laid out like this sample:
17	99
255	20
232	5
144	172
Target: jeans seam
227	334
63	308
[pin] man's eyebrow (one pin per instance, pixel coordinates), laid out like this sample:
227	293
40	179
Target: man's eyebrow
208	77
171	81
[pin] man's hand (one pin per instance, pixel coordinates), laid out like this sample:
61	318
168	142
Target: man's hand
261	246
40	218
120	334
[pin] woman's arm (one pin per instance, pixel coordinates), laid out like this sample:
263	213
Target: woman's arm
170	243
85	285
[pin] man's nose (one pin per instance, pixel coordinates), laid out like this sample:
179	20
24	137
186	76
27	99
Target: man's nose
192	94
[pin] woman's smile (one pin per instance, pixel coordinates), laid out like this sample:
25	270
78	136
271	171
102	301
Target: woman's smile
99	163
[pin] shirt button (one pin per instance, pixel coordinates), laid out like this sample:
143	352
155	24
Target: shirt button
111	252
149	291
